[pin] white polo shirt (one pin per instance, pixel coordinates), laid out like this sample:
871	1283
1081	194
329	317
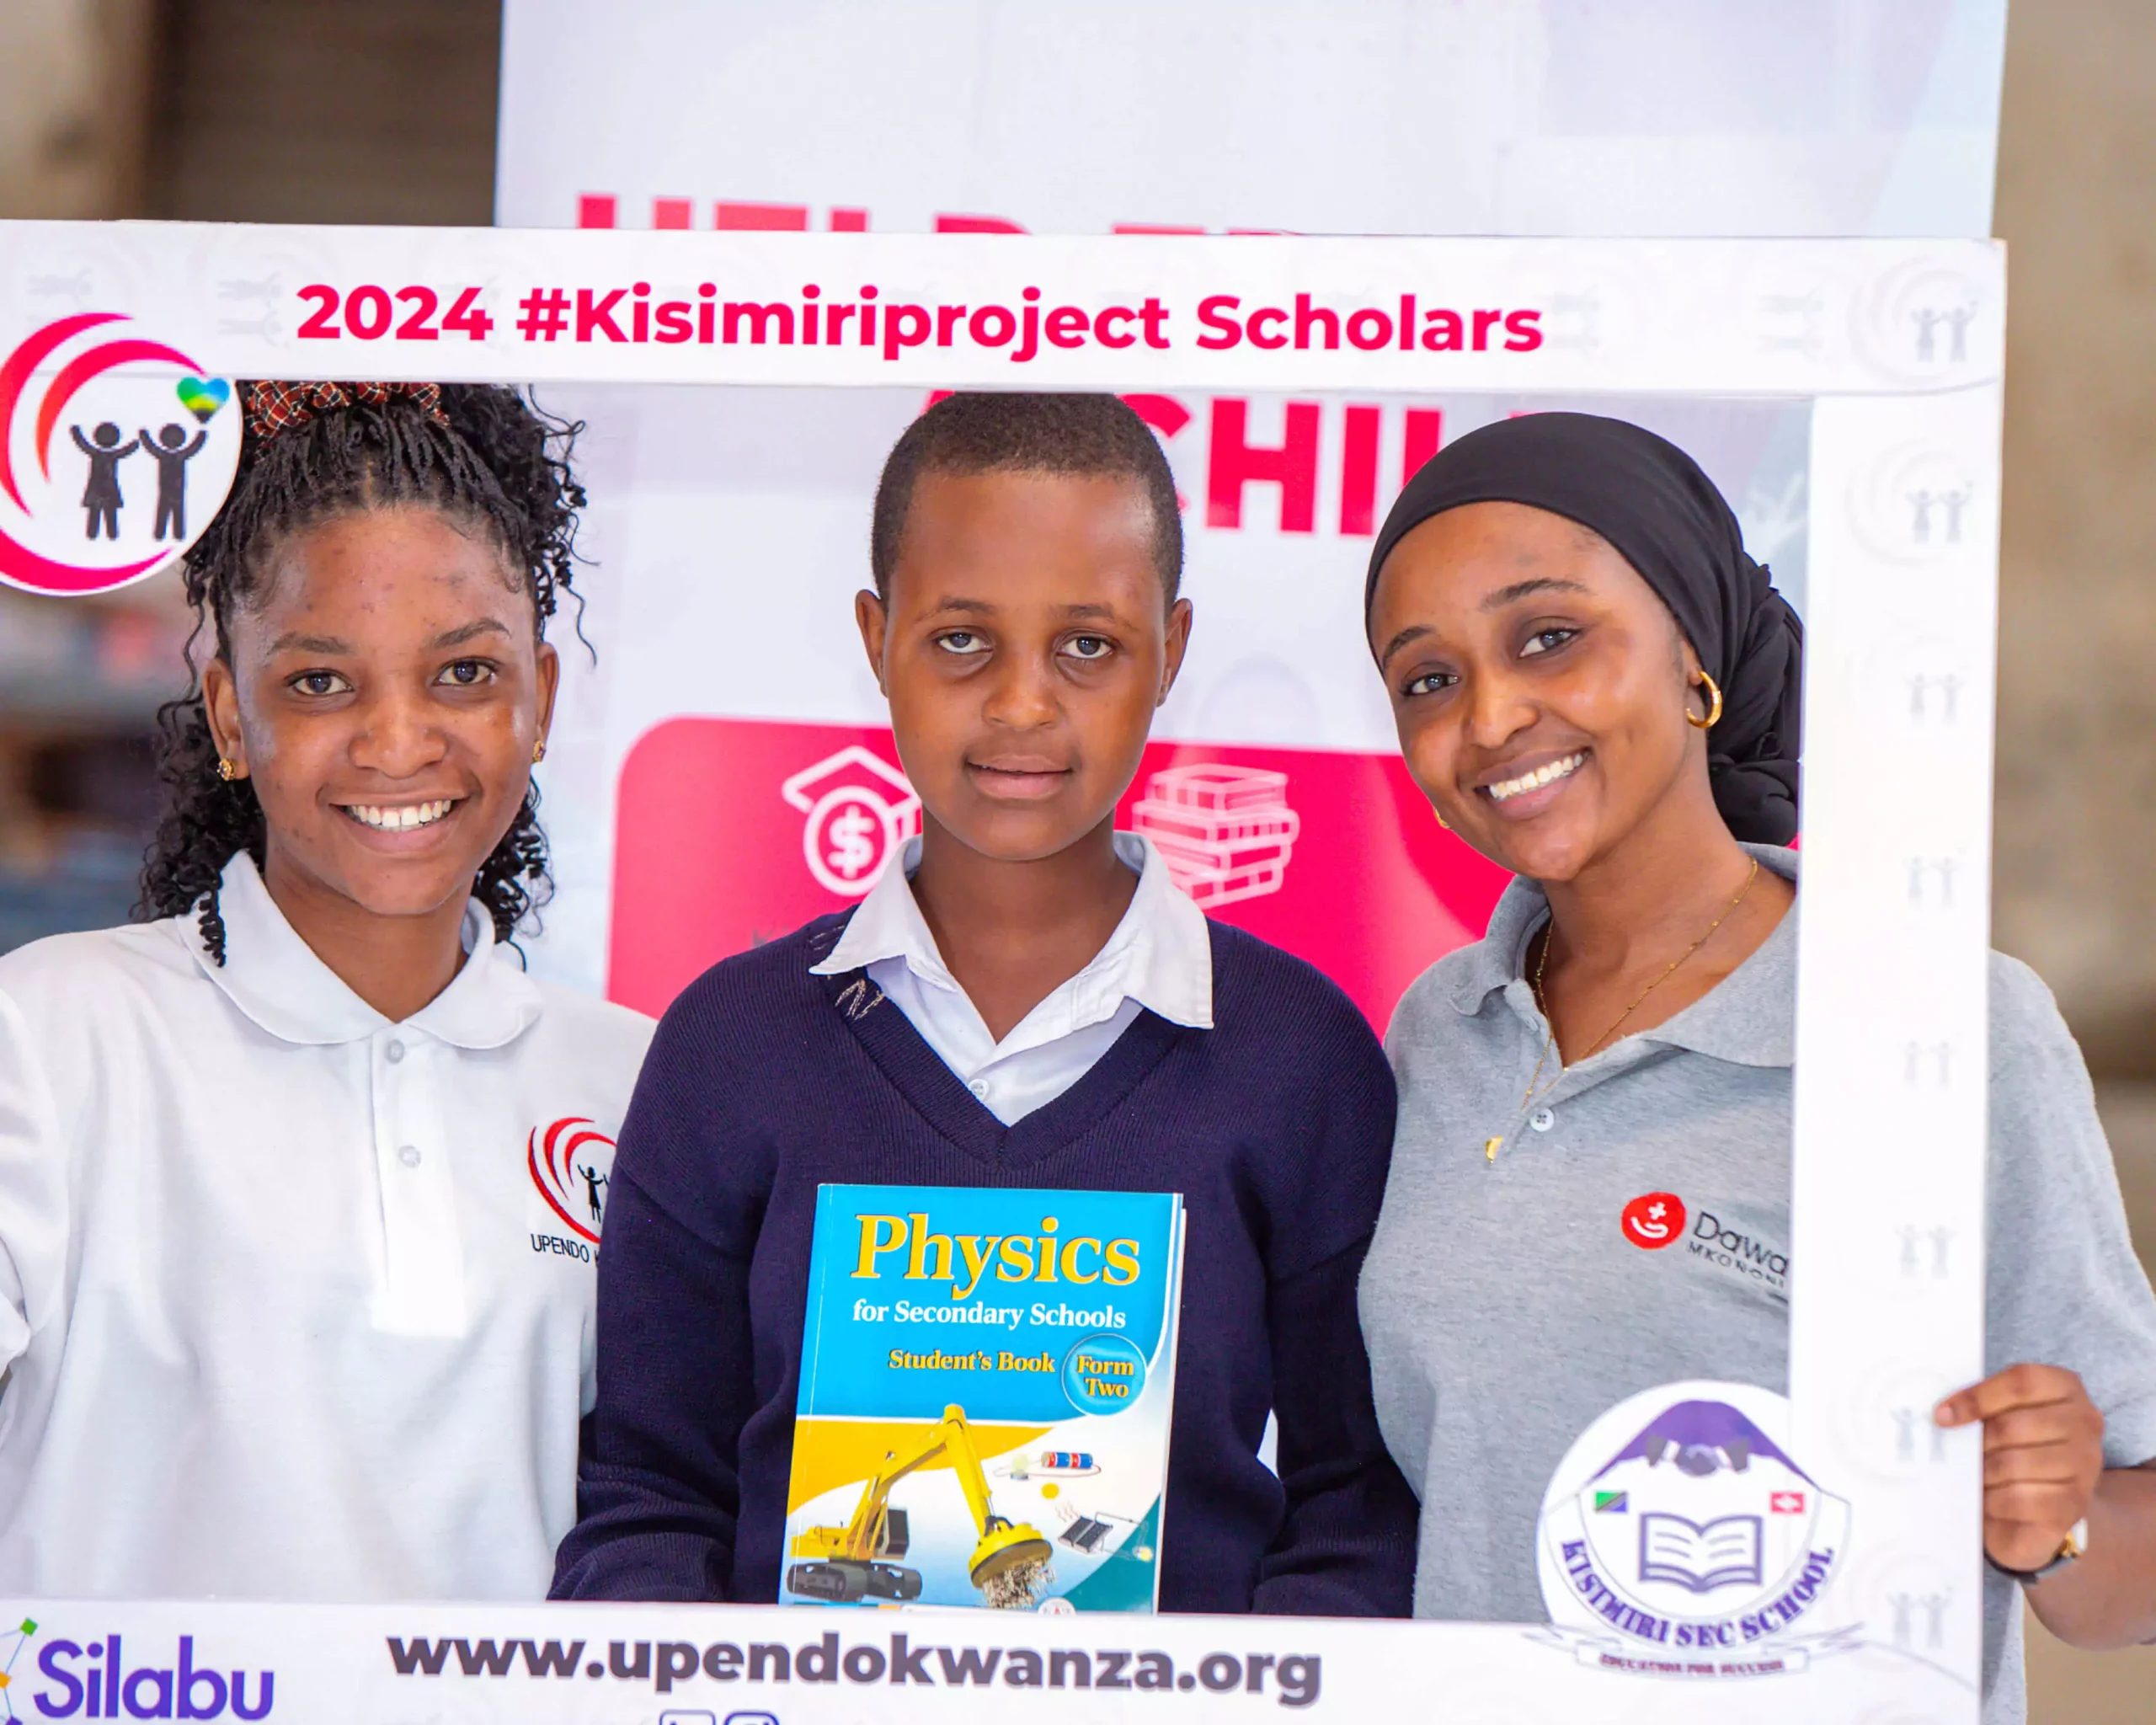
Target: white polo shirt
1160	957
294	1302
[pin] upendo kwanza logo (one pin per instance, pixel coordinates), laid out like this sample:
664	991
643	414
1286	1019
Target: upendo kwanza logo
97	1680
115	452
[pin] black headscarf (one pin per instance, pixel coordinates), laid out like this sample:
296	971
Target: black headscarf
1649	499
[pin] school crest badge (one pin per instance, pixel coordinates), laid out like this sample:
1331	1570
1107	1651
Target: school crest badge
1679	1537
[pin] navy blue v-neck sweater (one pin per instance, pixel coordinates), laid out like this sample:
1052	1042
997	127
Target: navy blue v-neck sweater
765	1081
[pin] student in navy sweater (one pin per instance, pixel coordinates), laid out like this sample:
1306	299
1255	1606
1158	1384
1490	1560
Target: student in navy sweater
1026	1000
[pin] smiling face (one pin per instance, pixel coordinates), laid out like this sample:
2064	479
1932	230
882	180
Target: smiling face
1023	647
1540	687
384	696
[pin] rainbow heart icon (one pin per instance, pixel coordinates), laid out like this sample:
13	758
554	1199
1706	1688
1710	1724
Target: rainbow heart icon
203	396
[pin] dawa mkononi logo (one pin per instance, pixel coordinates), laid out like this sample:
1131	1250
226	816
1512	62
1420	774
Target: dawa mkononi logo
117	449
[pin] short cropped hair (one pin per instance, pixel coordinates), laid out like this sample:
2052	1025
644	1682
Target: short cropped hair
1081	436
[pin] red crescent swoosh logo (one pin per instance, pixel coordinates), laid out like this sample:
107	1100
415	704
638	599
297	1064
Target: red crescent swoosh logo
15	373
550	1160
20	564
79	371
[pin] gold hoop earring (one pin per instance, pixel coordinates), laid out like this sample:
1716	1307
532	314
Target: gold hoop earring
539	751
226	769
1714	706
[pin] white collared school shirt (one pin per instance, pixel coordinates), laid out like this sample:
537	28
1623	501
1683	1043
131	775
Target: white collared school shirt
294	1302
1160	957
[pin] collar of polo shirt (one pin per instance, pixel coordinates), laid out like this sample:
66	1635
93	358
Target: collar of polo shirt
1749	1018
274	977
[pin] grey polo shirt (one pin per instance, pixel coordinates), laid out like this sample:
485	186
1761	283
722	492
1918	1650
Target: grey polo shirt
1508	1305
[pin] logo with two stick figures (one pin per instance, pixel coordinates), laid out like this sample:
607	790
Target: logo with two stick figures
115	452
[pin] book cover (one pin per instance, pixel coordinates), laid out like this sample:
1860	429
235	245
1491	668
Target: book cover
987	1377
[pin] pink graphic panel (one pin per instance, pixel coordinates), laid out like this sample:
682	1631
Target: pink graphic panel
734	831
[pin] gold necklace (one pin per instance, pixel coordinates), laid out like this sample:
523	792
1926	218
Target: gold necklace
1490	1148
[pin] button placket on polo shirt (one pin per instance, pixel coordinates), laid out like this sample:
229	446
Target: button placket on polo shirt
422	1292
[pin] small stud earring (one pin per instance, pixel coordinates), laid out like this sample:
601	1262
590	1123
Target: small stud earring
539	751
226	769
1441	821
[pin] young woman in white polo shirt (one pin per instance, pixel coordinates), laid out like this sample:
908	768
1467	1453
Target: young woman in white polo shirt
300	1183
1597	688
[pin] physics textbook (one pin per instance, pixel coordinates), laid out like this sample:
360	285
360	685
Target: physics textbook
987	1378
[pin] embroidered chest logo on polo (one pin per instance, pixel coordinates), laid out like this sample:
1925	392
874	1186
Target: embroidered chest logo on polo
1652	1220
1717	1237
572	1162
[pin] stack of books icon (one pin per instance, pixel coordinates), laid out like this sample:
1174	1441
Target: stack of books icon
1225	832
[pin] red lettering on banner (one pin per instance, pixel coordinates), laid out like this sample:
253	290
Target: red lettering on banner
1150	228
1166	416
1121	314
669	212
775	218
904	326
976	224
1234	464
1220	330
1425	431
849	221
1066	326
1308	317
1267	315
1359	470
1483	321
1369	329
991	326
594	315
1163	413
595	209
1524	331
1442	332
778	313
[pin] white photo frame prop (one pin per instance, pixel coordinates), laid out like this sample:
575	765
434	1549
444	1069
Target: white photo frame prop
1899	347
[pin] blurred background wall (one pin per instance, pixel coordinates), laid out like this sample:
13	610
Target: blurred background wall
324	111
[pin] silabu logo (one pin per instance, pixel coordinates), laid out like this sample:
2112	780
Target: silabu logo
1652	1220
1678	1523
860	810
571	1162
115	453
96	1680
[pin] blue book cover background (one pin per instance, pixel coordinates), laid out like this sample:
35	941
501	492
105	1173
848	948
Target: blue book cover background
987	1382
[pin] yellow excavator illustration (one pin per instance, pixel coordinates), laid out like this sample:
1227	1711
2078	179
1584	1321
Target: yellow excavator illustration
853	1562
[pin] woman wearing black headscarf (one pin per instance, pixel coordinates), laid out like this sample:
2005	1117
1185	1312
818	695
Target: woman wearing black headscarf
1596	687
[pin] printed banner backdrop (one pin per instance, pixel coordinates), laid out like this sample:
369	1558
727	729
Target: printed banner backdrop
527	1665
1732	1578
1506	116
752	790
1670	117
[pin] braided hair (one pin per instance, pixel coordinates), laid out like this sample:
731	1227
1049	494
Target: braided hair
478	452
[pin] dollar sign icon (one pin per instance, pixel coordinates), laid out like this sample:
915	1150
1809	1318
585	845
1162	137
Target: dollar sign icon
849	850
